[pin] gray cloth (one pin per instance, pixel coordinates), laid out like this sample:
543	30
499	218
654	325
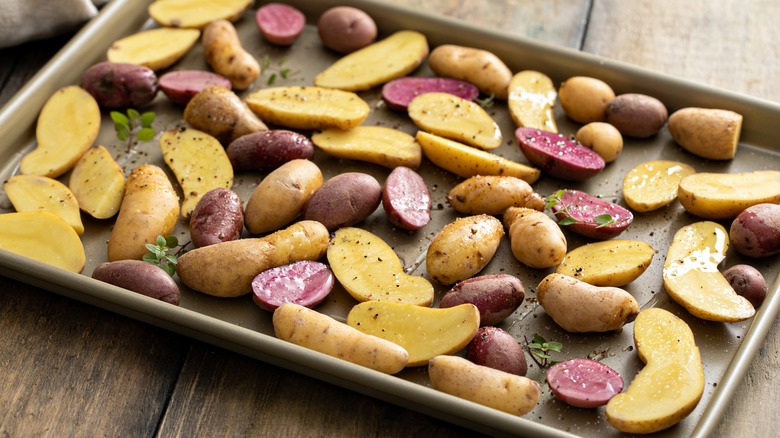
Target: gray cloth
27	20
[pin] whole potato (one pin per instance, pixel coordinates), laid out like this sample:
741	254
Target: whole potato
220	112
345	29
217	217
496	296
637	115
756	231
496	348
482	68
603	138
748	282
267	150
139	276
344	200
463	247
584	99
116	85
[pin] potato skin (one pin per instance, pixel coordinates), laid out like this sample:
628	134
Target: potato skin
496	348
223	52
479	67
463	248
181	86
116	85
537	241
266	150
756	231
584	99
603	138
493	194
637	115
344	200
748	282
217	217
345	29
496	296
218	111
707	132
139	276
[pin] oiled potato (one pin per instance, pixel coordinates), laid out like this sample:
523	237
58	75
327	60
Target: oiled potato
224	53
637	115
608	263
653	184
98	183
707	132
719	196
756	231
141	277
40	193
531	100
154	48
584	99
309	107
479	67
344	200
463	248
456	118
218	217
603	138
380	145
220	112
44	237
493	194
195	14
537	241
496	296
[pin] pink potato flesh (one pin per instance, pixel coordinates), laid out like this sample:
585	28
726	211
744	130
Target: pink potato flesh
585	208
406	199
181	85
584	383
306	283
399	92
557	155
280	24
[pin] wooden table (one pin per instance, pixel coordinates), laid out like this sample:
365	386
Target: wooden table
71	369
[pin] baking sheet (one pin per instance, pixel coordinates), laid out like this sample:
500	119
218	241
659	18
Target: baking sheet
239	325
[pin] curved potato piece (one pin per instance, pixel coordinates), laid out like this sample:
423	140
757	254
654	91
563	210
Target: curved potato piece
456	118
531	100
309	107
154	48
42	236
195	14
379	145
717	196
653	184
608	263
40	193
98	183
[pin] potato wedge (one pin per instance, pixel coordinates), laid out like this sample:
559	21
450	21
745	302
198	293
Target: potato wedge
68	125
653	184
706	132
369	269
393	57
463	247
379	145
531	100
717	196
199	162
466	161
98	183
692	279
309	107
424	332
41	193
670	385
154	48
42	236
195	14
456	118
608	263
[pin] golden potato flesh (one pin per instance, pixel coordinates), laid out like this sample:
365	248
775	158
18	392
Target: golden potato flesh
195	14
309	107
717	196
531	100
40	193
456	118
98	183
42	236
607	263
653	184
379	145
154	48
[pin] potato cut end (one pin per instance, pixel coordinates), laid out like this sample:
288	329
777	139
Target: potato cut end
652	185
595	263
42	236
374	144
40	193
98	183
718	196
309	107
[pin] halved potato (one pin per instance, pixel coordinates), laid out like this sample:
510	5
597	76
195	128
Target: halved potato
397	55
98	183
195	14
154	48
386	147
456	118
718	196
653	184
68	125
41	193
531	100
42	236
309	107
706	132
608	263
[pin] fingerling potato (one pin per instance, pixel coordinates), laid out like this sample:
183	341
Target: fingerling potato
479	67
463	248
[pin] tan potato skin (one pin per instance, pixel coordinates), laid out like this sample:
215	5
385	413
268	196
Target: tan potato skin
311	329
221	113
706	132
226	269
224	53
463	248
493	194
480	67
537	241
490	387
150	208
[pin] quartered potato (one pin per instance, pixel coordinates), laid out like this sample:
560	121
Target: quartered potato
195	14
424	332
369	269
670	385
531	100
653	184
42	236
463	248
199	162
41	193
67	126
691	276
98	183
393	57
466	161
718	196
309	107
608	263
154	48
456	118
379	145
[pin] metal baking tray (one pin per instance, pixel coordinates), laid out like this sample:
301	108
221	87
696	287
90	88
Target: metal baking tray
238	324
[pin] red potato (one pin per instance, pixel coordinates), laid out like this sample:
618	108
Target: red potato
748	282
345	29
116	85
586	211
496	296
496	348
406	199
217	217
756	231
558	155
141	277
399	92
305	283
343	200
263	151
637	115
280	24
584	383
181	85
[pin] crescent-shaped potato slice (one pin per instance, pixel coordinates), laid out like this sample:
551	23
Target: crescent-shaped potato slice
41	193
154	48
42	236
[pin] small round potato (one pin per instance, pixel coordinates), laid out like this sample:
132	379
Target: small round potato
748	282
756	231
496	348
344	200
345	29
603	138
584	99
463	248
637	115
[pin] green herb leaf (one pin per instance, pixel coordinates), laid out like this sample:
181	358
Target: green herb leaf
161	253
539	350
119	118
133	114
122	132
145	134
272	79
147	118
567	221
603	220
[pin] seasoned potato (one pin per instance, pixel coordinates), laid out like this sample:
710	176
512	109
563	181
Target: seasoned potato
531	100
458	119
221	113
267	150
707	132
141	277
117	85
496	296
217	217
344	200
603	138
756	231
406	199
154	48
463	248
44	237
537	241
398	93
346	29
379	145
589	215
40	193
584	99
479	67
305	282
637	115
493	194
98	183
719	196
583	382
195	14
608	263
498	349
224	53
558	155
312	108
653	184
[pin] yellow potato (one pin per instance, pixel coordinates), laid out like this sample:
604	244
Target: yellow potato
40	193
603	138
670	385
692	279
531	100
493	194
706	132
154	48
480	67
456	118
379	145
224	53
369	269
653	184
311	329
312	108
150	208
466	161
199	162
195	14
42	236
424	332
68	125
537	240
608	263
584	99
98	183
393	57
718	196
487	386
463	248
